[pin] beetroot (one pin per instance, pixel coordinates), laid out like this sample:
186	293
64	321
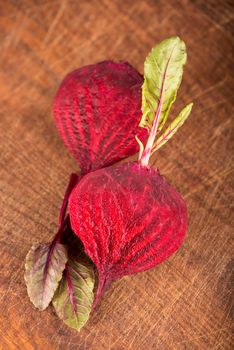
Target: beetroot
97	111
129	219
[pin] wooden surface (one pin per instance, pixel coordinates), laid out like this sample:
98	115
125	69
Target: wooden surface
185	303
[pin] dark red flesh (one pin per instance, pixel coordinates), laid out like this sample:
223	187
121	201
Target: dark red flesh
97	110
129	219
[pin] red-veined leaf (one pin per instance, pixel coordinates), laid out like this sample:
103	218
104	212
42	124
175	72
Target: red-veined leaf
43	271
97	110
74	297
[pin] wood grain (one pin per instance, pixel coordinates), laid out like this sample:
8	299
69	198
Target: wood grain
185	303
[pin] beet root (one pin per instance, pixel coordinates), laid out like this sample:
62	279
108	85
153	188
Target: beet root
129	219
97	110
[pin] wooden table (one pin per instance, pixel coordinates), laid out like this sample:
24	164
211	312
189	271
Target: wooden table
185	303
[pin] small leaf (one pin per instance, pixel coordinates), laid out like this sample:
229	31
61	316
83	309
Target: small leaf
163	70
173	127
43	270
74	297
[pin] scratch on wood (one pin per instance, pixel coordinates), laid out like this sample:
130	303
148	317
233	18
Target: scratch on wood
211	88
200	337
166	313
214	177
55	21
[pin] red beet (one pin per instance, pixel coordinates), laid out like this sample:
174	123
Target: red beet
97	111
129	219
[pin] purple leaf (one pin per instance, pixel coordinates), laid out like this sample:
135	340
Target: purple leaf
43	271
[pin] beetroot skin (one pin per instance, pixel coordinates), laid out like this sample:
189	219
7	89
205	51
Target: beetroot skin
129	219
97	110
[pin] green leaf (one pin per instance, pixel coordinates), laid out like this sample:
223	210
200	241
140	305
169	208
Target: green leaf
43	270
74	297
163	70
173	127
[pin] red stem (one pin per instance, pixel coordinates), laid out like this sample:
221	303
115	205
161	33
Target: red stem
70	289
72	182
63	218
104	281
